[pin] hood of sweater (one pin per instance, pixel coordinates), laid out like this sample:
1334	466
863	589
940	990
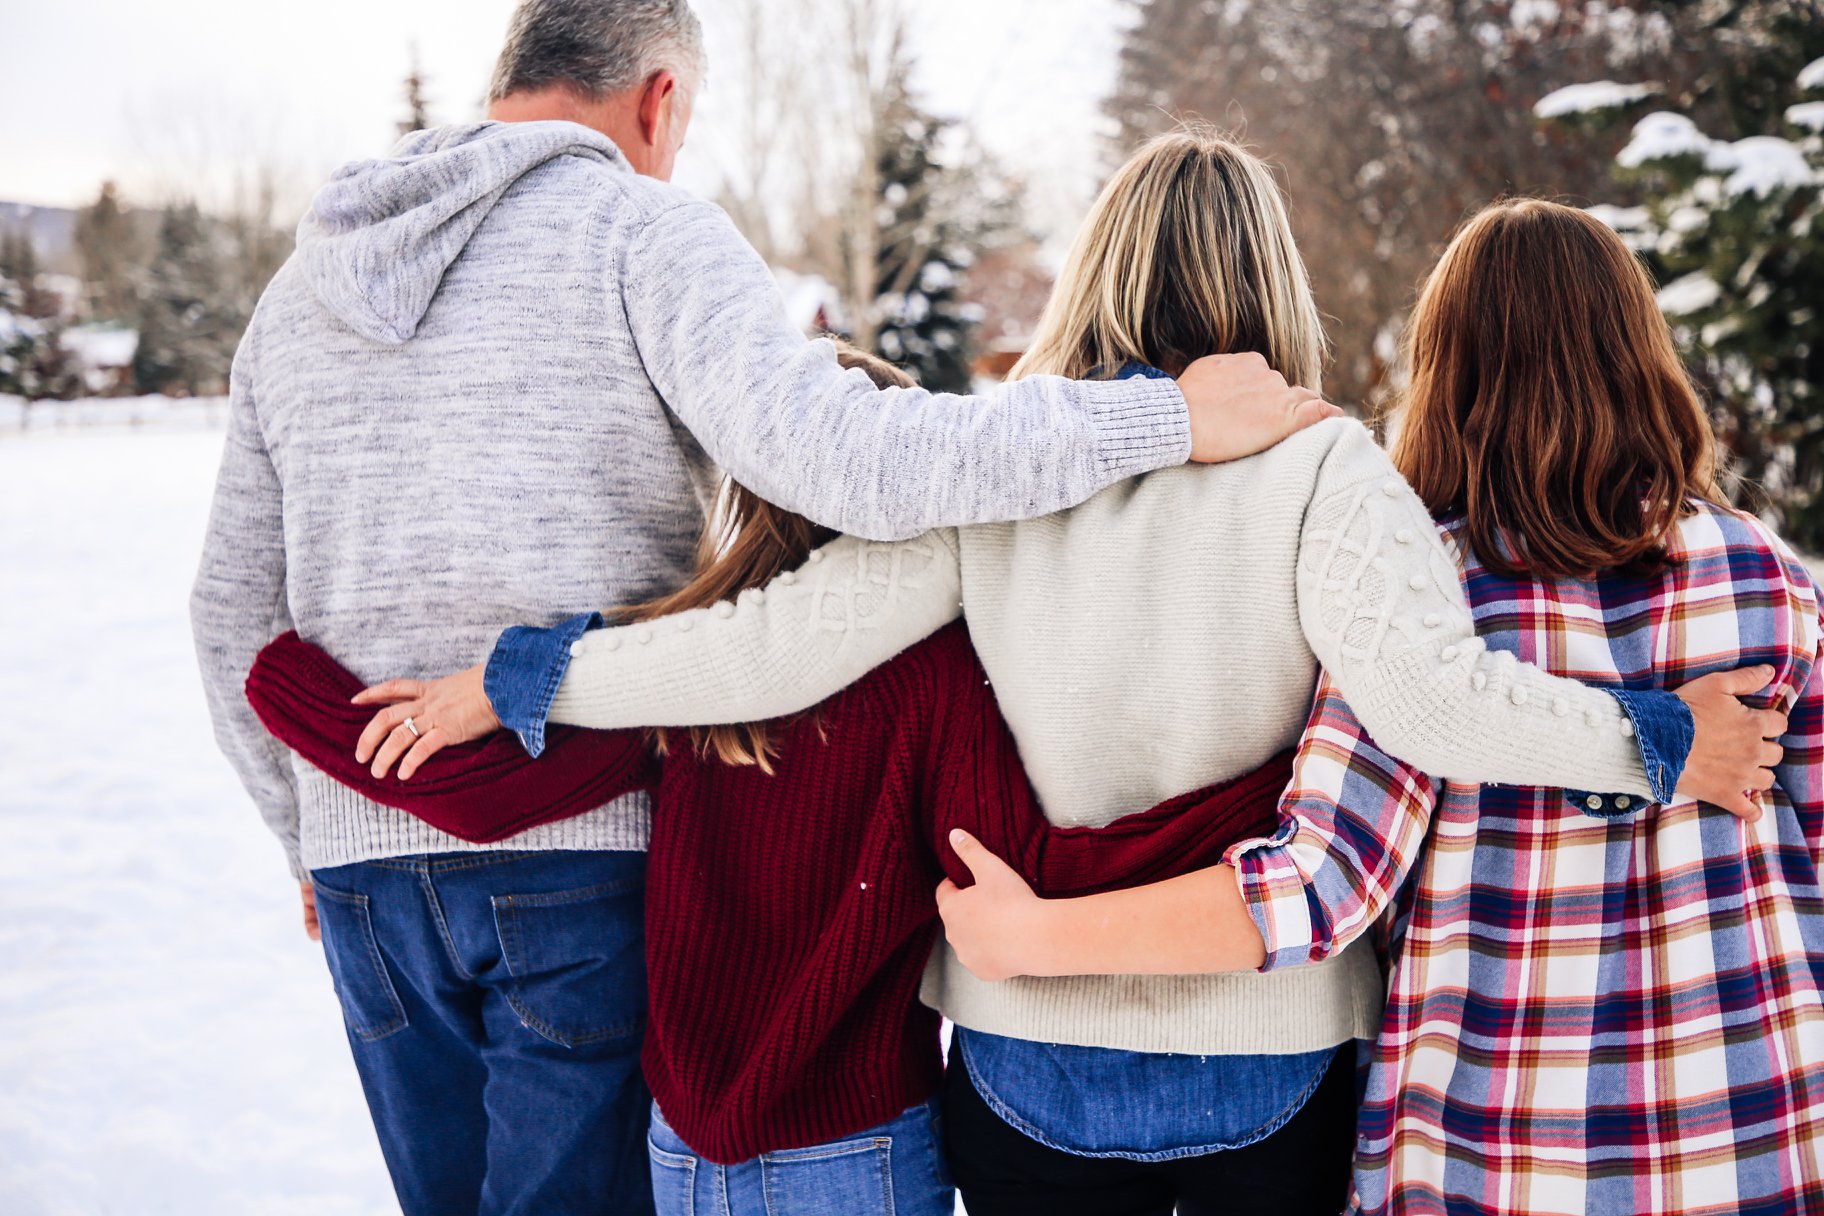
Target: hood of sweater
380	237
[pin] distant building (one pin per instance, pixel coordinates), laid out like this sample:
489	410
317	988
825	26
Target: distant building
104	358
53	233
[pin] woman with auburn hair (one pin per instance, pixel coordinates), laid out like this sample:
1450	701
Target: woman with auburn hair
1603	1009
1164	636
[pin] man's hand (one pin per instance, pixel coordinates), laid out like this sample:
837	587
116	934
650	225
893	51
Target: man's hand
1240	406
1733	756
311	928
454	709
998	927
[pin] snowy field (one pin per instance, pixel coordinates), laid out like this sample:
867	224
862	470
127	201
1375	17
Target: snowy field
169	1042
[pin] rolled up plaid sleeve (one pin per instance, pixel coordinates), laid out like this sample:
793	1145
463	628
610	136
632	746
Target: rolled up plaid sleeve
1352	823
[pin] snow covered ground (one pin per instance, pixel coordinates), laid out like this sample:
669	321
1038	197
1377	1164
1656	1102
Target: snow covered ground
169	1042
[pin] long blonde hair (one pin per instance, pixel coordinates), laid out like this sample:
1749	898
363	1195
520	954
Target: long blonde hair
1188	252
747	542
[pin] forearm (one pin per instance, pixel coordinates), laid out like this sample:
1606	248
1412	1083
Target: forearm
780	415
1195	924
1382	605
777	650
237	605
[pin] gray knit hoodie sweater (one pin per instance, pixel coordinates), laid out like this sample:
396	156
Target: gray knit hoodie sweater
489	387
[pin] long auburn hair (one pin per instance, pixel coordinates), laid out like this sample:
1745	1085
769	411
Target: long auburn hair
1188	252
747	542
1546	401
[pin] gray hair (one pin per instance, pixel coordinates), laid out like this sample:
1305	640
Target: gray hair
598	47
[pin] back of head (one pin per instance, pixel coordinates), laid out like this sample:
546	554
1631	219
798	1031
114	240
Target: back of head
1188	252
596	48
1547	402
747	543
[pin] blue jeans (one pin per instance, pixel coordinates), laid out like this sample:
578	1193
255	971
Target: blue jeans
495	1004
896	1169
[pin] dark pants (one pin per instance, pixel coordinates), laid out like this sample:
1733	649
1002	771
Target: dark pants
1303	1169
495	1003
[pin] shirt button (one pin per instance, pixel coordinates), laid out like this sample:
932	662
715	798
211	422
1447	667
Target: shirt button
576	648
1392	489
1448	654
1416	582
685	624
1594	802
788	578
755	595
611	641
1478	681
643	636
1519	696
1593	718
815	557
1561	707
1627	729
724	610
1433	620
1623	802
1404	536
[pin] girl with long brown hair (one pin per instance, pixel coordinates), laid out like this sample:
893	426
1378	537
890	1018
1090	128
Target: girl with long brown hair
1161	637
1610	1007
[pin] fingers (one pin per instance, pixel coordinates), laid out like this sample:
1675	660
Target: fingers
1769	753
389	692
1313	410
383	725
433	741
397	744
1737	683
971	852
1770	722
946	890
1743	806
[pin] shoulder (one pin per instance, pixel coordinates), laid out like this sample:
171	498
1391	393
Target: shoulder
1721	543
931	672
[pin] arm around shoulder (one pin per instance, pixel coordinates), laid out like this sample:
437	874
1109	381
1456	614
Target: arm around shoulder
775	650
1382	606
785	420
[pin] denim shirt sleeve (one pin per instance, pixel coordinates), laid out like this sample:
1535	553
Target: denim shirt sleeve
1665	729
524	671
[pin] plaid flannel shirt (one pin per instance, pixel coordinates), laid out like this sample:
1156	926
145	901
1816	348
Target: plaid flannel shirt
1586	1015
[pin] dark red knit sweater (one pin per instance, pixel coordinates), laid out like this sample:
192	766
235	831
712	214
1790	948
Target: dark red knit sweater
789	918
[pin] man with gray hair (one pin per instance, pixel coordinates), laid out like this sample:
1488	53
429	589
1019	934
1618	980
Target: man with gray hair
487	389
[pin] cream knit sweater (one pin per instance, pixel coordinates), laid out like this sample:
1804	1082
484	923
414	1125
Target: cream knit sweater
1163	636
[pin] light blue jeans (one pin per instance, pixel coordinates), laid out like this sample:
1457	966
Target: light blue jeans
896	1169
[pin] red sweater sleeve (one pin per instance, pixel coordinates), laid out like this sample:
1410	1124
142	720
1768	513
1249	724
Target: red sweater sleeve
974	780
481	792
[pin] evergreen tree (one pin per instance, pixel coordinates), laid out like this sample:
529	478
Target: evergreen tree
1733	180
932	216
188	325
418	113
109	244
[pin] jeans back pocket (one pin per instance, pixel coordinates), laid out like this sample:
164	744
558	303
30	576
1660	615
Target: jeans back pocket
674	1181
577	961
830	1179
370	1003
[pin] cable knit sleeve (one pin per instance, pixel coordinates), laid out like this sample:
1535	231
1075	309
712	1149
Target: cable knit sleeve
1381	603
775	650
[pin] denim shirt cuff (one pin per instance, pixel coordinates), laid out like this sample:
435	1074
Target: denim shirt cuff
1665	730
524	672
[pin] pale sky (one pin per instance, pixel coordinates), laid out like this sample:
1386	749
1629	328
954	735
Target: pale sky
158	93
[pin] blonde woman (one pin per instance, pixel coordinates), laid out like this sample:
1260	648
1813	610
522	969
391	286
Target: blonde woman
1162	637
